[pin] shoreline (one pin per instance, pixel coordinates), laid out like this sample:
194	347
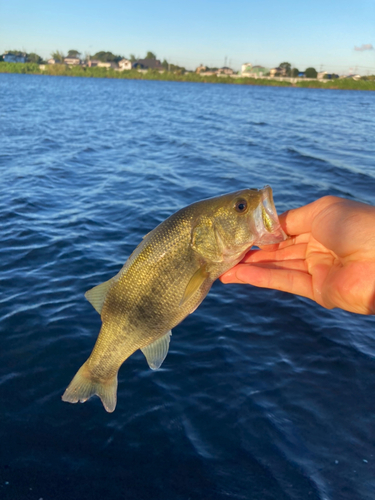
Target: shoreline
85	72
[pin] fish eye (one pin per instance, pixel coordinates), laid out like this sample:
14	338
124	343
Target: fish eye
241	206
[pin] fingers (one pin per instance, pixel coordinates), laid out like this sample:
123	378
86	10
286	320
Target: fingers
299	220
286	280
347	229
292	252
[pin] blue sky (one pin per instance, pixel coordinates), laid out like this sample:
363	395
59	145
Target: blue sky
319	33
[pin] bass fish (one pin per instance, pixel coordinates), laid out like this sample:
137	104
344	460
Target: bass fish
165	279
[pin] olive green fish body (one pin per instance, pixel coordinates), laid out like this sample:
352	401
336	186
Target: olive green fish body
165	279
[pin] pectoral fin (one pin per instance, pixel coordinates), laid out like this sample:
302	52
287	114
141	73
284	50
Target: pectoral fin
195	282
156	352
96	296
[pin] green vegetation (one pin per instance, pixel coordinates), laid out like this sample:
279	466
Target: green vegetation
339	83
106	57
294	72
287	67
367	83
150	55
58	56
34	58
173	67
311	73
31	68
73	53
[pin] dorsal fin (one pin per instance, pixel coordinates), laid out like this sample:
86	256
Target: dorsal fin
156	352
96	296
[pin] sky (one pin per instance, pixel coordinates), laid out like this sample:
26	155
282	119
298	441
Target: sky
330	35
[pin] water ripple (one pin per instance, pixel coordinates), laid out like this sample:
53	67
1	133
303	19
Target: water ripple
263	395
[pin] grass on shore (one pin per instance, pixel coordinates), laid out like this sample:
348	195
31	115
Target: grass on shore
63	70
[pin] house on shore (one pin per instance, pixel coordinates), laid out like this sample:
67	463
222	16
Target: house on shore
15	58
225	71
125	64
72	61
148	64
201	69
91	63
107	65
246	69
250	71
277	72
95	63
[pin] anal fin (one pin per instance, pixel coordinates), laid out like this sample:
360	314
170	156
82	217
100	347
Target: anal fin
156	352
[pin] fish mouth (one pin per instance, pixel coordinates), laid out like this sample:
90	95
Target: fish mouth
271	231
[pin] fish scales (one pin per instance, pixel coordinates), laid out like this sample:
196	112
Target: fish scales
165	279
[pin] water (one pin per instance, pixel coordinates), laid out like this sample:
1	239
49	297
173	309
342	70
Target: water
263	395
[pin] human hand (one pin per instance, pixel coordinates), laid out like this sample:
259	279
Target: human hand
330	257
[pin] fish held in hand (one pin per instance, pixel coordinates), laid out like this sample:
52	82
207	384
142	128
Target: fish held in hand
165	279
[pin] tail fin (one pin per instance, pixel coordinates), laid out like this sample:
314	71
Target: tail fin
82	387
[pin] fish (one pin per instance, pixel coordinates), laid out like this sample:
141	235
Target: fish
165	279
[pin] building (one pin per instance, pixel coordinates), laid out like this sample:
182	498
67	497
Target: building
52	61
253	71
72	61
15	58
225	71
246	68
201	69
91	63
277	72
148	64
107	65
125	64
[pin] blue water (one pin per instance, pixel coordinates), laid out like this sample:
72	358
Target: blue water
263	395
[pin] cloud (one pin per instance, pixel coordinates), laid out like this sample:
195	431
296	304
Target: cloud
364	46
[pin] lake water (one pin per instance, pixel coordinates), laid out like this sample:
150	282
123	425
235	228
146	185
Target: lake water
263	395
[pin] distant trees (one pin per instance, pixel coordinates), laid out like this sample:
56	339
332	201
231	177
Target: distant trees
58	56
73	53
106	57
311	73
294	72
173	67
34	58
287	67
150	55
